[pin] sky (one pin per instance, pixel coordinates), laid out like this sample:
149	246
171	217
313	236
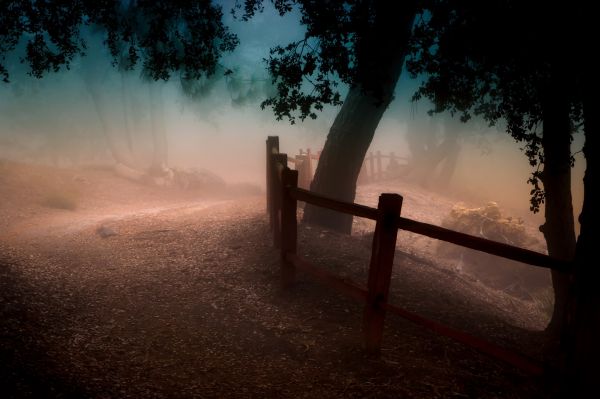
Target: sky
55	120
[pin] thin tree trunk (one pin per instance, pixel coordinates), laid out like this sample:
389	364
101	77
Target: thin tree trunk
99	100
354	127
451	149
159	135
559	227
126	93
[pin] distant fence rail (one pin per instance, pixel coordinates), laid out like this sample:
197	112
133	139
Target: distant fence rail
283	194
376	166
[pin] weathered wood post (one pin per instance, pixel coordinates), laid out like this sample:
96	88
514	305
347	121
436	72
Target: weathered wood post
279	163
299	167
379	169
309	168
272	148
380	269
289	224
393	165
372	167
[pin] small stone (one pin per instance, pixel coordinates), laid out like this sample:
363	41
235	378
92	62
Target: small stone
105	231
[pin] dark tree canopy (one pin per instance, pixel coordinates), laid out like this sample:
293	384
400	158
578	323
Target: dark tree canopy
498	59
162	36
341	45
531	64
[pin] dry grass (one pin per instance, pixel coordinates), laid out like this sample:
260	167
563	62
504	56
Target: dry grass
61	200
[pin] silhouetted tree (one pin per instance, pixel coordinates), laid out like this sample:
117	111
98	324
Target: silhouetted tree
509	60
163	36
359	43
475	66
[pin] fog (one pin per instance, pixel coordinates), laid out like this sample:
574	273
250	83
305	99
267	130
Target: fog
221	128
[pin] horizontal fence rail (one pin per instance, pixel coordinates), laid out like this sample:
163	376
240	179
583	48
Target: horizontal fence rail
483	245
282	187
517	360
344	286
439	233
376	165
333	204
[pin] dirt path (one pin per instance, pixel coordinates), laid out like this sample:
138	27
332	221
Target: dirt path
184	301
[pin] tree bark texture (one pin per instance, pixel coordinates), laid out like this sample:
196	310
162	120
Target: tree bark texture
583	333
381	56
559	226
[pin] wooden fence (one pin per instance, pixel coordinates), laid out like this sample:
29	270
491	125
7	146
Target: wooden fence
304	164
283	195
375	167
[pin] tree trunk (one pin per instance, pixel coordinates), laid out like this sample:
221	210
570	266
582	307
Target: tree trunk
125	94
380	58
559	227
342	157
451	149
159	135
583	331
98	98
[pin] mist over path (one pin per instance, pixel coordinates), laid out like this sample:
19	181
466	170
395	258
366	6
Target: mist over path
184	300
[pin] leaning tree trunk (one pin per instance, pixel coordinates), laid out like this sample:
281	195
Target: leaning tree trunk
342	157
559	227
383	50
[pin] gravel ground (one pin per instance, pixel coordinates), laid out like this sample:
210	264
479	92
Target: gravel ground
147	293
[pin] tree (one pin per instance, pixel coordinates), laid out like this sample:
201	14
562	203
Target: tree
525	75
161	37
119	113
583	329
361	44
433	155
474	66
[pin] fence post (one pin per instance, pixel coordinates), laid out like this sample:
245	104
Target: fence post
278	159
372	167
272	148
392	166
379	171
289	224
309	168
299	167
380	269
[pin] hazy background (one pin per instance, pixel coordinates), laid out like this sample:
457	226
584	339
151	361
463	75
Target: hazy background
54	121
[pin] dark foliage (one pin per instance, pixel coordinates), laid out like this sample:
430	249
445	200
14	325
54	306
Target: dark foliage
496	59
341	45
163	36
